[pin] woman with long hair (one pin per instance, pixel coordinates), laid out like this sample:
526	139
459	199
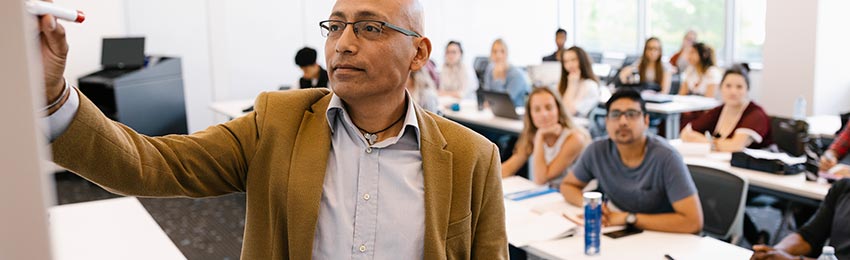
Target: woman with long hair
653	72
550	140
578	85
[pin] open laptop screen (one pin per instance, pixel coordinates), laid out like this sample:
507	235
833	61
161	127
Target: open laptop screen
123	53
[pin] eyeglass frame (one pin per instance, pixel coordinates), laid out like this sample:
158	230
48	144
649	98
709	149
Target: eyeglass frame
637	114
356	33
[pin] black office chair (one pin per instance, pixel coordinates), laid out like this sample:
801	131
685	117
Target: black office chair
595	56
723	197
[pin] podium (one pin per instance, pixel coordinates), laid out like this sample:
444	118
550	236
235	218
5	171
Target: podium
150	100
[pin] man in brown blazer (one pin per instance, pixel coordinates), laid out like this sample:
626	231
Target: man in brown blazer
317	166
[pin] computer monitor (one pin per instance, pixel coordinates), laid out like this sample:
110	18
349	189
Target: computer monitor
123	53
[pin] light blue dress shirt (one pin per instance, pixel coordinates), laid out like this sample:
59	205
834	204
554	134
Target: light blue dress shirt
373	199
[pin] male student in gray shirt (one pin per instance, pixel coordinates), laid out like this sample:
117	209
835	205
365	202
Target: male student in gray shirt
638	172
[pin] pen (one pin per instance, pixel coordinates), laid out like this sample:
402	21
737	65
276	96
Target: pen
38	7
668	257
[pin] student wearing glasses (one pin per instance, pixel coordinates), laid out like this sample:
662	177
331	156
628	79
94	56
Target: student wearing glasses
360	172
579	85
653	73
737	124
501	76
456	79
642	176
550	140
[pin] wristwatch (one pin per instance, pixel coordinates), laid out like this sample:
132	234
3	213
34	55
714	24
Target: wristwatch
631	219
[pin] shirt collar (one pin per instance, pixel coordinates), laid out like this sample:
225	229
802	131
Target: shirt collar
336	109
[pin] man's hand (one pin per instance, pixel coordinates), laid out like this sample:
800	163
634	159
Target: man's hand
763	252
54	50
610	218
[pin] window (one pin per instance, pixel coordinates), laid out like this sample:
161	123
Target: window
749	30
607	25
670	19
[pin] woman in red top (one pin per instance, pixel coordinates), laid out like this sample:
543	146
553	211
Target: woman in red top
739	123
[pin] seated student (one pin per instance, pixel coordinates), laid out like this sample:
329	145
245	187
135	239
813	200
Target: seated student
638	172
560	40
828	223
579	85
503	77
837	151
549	138
739	123
456	79
423	90
314	75
650	68
701	77
679	60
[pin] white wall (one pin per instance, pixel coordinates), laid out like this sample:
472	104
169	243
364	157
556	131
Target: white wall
832	80
789	55
181	29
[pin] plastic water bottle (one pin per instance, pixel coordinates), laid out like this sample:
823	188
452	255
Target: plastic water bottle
828	254
800	108
592	222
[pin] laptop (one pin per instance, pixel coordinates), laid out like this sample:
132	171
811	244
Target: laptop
123	53
500	103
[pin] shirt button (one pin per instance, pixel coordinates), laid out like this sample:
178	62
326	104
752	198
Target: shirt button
369	150
362	248
366	196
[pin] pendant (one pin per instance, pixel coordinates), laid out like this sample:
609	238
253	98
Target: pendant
371	138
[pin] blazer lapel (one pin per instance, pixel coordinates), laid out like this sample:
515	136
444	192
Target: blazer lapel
306	176
437	171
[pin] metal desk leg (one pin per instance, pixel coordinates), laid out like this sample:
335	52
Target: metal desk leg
672	125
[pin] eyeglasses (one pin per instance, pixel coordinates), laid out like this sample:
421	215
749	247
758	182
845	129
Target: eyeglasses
368	29
630	114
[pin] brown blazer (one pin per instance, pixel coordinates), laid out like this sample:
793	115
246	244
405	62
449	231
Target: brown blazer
277	155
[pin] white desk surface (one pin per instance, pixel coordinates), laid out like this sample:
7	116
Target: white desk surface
823	125
646	245
232	108
791	184
108	229
469	113
683	104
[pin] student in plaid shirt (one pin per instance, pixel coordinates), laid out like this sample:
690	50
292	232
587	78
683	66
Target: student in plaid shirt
837	150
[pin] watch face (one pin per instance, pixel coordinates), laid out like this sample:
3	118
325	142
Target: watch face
631	218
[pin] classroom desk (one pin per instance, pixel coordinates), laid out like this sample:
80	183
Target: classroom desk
792	187
232	108
470	115
823	125
646	245
109	229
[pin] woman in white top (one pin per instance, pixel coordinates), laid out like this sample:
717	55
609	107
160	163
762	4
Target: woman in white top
702	77
456	79
550	140
579	86
423	90
650	68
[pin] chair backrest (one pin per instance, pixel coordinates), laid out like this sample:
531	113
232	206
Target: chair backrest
480	65
723	196
791	136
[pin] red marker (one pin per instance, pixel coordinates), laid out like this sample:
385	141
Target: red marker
38	7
